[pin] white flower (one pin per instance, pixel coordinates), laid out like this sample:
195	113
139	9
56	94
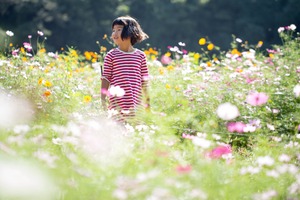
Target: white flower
201	142
280	29
296	90
249	128
284	158
40	33
57	141
265	160
23	180
227	111
9	33
181	44
271	127
14	110
116	91
239	40
292	27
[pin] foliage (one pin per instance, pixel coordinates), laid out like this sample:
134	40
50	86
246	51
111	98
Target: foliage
222	125
80	23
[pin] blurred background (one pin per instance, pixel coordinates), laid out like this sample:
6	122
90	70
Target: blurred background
81	23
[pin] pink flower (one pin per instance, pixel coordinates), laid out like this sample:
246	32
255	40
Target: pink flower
236	127
183	169
257	98
27	46
187	136
165	60
219	151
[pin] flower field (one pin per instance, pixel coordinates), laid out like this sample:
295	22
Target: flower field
222	125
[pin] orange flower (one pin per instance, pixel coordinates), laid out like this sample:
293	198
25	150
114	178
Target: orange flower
47	93
210	46
87	55
236	52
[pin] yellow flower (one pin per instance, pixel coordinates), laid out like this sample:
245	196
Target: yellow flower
47	93
22	50
104	36
259	44
236	52
40	81
210	46
168	86
271	55
177	88
11	44
103	49
73	53
161	70
24	59
87	55
170	67
168	54
202	41
197	56
87	99
47	84
42	50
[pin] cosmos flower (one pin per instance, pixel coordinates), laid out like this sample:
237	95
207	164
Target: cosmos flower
280	29
237	127
165	60
9	33
257	98
219	151
40	33
227	111
296	90
183	169
116	91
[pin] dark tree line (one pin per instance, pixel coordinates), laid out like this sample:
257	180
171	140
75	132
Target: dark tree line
80	23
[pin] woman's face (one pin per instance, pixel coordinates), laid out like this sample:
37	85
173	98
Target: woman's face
116	34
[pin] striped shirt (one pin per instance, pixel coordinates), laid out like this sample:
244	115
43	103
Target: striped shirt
129	71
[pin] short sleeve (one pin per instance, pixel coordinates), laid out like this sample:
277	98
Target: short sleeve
108	63
144	68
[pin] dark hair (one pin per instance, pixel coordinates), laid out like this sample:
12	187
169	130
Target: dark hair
131	29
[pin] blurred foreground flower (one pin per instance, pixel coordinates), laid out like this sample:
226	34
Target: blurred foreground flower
104	141
227	111
116	91
219	151
257	98
296	90
23	181
237	127
14	110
